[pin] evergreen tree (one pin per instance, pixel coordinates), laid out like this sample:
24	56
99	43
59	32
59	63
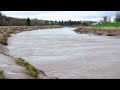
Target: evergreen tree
0	13
28	22
55	22
62	23
35	23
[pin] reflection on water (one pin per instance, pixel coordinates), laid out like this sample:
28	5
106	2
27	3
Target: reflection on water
63	53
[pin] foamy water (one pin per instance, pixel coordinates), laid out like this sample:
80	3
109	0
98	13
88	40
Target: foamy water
62	53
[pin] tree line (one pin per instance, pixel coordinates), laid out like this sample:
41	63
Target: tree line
11	21
107	19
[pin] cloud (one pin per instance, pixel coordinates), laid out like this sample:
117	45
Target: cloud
61	15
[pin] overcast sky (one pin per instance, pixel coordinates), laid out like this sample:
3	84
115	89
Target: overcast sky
61	15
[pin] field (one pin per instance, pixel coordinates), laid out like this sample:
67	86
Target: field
114	24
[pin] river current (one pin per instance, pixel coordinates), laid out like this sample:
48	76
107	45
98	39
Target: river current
64	54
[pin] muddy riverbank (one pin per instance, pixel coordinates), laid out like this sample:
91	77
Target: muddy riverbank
105	31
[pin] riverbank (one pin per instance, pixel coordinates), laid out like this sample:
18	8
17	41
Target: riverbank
5	33
1	75
106	31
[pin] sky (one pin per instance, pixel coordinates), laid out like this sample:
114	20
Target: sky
62	15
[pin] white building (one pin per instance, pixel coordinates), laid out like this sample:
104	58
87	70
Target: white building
95	23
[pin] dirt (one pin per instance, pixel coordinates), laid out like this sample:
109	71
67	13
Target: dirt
106	31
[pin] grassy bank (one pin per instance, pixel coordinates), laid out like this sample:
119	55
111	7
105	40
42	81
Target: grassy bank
31	70
6	31
113	24
2	75
107	31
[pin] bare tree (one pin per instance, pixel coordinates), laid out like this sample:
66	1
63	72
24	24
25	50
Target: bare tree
117	19
109	19
105	19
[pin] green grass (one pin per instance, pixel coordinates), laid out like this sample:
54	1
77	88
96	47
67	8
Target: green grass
114	24
31	70
2	75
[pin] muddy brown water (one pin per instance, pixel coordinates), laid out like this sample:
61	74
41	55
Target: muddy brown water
64	54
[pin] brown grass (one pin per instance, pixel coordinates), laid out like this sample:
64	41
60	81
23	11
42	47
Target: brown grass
107	31
2	75
3	40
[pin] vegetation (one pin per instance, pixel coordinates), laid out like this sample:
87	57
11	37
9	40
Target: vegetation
10	21
3	40
106	31
117	19
31	70
105	27
13	28
2	75
114	24
28	22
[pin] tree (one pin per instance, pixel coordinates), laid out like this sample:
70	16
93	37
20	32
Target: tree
109	19
0	13
62	23
28	22
105	19
55	22
117	19
46	22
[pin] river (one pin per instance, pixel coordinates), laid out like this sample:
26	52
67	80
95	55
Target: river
64	54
